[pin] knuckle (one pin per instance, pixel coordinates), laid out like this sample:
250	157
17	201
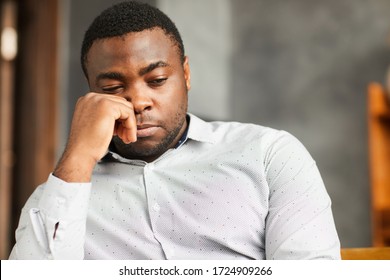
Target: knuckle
89	95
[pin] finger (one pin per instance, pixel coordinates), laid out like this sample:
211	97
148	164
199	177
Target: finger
125	134
122	112
127	128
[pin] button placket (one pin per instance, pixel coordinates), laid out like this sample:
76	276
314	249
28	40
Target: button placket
150	187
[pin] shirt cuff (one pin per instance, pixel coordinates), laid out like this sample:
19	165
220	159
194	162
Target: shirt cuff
62	200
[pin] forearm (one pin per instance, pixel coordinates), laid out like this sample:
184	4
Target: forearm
75	168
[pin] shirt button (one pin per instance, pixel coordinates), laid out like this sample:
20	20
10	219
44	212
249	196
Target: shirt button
60	200
156	207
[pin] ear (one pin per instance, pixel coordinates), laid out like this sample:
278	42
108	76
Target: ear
187	73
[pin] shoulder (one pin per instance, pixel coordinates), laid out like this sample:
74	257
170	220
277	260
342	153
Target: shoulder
237	131
265	141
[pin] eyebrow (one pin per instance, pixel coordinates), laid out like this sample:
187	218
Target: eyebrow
152	66
141	72
111	76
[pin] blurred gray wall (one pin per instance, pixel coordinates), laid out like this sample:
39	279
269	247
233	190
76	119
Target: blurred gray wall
301	66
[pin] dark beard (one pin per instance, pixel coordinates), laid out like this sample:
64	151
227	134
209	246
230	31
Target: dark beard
131	151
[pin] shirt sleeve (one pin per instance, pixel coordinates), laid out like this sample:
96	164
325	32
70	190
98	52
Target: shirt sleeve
300	222
52	224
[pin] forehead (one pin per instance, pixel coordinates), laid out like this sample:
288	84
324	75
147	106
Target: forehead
135	49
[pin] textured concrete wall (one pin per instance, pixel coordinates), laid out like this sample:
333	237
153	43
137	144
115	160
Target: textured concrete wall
304	66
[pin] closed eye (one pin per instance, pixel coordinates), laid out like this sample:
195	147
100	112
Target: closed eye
112	89
157	82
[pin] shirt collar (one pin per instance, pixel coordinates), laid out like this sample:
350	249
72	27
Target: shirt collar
199	130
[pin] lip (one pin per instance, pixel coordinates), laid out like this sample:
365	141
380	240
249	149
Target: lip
146	130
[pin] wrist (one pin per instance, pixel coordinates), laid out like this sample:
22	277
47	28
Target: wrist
74	167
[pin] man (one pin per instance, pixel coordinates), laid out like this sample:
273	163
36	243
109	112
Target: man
142	179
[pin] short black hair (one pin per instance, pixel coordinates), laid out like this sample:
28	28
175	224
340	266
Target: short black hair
126	17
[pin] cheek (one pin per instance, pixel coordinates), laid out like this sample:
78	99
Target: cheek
171	99
180	103
176	96
175	108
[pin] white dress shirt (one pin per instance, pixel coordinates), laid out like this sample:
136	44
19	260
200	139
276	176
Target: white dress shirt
230	191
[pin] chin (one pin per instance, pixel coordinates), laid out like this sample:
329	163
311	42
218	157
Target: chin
142	149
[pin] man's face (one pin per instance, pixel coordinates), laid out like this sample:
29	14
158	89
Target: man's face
146	69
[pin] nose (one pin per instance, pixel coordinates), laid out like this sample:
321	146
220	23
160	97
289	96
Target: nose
140	99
